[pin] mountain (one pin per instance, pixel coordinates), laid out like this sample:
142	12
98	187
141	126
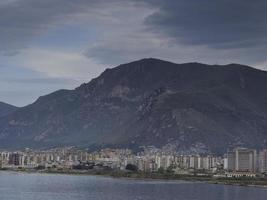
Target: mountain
6	109
191	107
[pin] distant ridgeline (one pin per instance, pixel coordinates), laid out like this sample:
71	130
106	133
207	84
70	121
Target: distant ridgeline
6	109
188	107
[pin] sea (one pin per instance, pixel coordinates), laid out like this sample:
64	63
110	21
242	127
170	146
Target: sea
25	186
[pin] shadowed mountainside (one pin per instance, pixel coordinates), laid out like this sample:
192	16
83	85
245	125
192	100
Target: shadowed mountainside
190	107
6	109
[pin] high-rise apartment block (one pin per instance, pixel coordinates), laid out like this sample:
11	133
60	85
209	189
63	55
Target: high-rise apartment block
263	161
242	159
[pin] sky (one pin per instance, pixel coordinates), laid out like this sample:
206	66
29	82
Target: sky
46	45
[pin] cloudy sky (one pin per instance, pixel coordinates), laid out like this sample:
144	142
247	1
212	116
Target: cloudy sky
47	45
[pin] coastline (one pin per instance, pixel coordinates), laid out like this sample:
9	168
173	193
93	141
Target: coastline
247	182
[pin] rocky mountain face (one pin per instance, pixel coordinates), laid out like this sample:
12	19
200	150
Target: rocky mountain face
190	107
6	109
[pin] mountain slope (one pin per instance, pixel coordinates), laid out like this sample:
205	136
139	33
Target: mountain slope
190	107
6	109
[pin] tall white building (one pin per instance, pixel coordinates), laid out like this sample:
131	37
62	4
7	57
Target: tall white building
225	163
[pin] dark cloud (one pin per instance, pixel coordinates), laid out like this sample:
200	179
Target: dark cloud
216	23
224	30
119	31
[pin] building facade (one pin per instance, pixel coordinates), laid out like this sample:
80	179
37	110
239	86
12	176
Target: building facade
242	160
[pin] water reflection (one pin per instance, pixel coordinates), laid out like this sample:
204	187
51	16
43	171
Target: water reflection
66	187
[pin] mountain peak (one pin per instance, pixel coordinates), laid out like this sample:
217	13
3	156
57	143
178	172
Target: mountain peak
190	106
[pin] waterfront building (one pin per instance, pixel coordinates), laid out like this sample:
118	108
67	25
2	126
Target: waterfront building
242	159
4	159
263	161
1	162
149	160
16	159
225	163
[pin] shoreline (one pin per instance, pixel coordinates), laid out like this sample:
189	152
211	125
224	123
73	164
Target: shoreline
247	182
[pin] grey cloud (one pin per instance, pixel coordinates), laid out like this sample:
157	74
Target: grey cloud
47	81
216	23
223	30
23	20
220	24
121	49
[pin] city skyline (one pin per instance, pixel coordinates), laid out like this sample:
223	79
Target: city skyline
237	162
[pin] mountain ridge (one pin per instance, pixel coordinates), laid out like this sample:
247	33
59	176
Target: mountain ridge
191	107
6	109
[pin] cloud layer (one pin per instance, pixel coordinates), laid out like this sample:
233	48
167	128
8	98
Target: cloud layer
216	23
54	44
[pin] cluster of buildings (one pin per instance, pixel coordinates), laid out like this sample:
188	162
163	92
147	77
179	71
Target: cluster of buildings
245	162
62	158
238	162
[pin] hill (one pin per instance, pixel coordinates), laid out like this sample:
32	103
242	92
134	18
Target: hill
191	107
6	109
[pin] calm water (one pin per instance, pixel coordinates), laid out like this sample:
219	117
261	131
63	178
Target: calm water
15	186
